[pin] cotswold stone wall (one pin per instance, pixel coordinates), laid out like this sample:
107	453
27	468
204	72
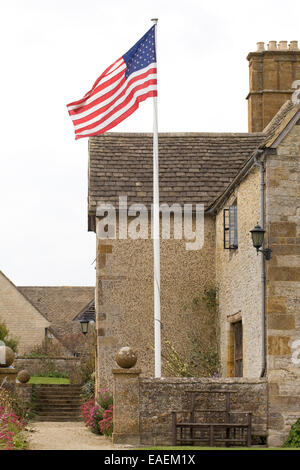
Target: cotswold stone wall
36	365
283	285
124	296
145	417
25	392
238	274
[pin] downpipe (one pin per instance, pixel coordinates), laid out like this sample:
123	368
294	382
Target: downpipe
260	164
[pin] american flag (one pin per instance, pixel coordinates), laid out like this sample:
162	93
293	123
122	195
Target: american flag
117	93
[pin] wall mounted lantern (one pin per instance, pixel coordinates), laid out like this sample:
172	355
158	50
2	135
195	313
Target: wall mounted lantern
258	234
84	326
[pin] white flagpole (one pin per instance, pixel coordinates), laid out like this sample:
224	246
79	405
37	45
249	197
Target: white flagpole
156	235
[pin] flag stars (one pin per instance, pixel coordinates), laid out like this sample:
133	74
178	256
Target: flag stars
141	55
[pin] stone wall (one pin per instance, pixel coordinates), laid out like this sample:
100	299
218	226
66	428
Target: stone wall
238	275
22	319
283	285
143	406
124	296
25	392
36	365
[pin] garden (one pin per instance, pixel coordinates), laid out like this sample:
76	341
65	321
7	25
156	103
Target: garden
15	416
97	412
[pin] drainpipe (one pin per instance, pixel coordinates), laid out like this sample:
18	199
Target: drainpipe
263	271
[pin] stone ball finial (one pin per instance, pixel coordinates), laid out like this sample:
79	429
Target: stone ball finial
23	376
7	356
126	357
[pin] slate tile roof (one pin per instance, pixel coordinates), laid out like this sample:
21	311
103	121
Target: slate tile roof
273	125
194	167
280	121
60	304
88	313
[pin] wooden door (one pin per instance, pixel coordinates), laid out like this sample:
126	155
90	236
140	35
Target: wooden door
238	349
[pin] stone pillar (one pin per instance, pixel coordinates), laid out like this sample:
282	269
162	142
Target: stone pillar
9	374
126	406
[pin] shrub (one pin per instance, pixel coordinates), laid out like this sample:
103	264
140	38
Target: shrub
92	415
106	424
293	439
104	399
4	336
86	408
13	403
200	358
88	390
11	431
93	411
48	348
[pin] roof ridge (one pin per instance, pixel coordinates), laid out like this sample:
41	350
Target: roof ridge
278	117
177	134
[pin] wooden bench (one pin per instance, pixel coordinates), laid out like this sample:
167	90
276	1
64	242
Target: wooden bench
192	430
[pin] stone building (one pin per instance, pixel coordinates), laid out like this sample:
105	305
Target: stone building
242	179
23	320
61	305
33	313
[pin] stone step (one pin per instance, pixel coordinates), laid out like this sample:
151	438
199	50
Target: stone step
59	390
57	395
58	401
58	408
57	418
58	411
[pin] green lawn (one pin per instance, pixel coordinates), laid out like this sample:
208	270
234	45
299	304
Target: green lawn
49	380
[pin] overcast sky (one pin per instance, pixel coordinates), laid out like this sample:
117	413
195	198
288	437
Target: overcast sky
52	51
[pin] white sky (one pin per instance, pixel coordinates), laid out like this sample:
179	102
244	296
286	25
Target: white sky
52	51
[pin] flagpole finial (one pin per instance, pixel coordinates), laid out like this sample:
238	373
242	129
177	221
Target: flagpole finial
155	20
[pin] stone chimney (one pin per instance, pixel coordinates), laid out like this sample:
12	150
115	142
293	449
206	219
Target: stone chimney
272	69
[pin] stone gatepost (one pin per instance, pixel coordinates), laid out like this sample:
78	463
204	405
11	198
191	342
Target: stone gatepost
9	374
126	406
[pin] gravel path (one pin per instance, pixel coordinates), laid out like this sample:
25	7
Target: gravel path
67	436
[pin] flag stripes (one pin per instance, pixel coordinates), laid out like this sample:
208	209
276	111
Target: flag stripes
116	94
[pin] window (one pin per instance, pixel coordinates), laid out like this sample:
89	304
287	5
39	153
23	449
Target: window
230	227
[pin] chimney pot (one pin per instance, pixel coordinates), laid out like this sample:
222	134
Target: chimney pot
272	46
282	45
294	46
260	46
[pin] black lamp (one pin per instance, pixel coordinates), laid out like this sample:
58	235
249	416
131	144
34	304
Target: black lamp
84	326
258	234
